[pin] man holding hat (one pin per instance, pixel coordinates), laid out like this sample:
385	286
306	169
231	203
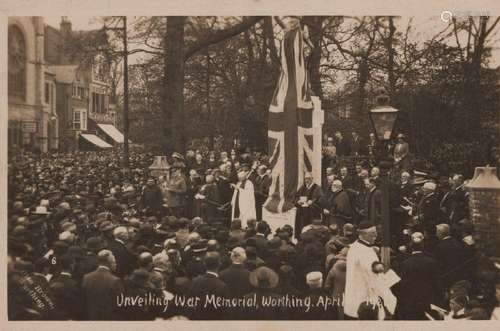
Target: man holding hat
243	201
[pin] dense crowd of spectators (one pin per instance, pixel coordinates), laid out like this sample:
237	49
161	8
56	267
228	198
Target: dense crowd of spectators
83	234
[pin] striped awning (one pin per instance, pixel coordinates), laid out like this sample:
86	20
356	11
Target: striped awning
95	140
111	131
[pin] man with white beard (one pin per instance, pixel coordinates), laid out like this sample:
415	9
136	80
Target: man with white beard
243	201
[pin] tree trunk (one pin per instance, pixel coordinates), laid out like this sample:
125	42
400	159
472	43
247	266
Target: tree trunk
468	118
174	85
391	53
363	75
211	119
314	24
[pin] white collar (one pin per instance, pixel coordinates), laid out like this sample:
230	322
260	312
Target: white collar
65	273
460	312
213	273
416	252
120	241
104	267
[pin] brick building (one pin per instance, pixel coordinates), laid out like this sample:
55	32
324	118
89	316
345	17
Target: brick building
84	106
57	100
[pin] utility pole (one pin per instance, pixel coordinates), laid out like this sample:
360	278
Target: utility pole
126	162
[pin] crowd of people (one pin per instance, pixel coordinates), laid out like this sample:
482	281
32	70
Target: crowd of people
85	237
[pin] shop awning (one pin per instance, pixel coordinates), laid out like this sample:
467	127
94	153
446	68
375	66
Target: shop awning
95	140
111	131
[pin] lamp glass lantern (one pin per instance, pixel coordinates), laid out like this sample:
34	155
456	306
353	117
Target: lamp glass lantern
383	118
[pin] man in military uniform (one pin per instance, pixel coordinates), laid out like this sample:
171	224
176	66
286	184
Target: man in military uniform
427	212
454	203
174	190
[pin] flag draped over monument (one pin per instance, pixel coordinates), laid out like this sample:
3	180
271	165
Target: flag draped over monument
290	133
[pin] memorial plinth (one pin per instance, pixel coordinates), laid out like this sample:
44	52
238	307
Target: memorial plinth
484	205
159	167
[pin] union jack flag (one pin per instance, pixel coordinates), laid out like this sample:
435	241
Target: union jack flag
290	132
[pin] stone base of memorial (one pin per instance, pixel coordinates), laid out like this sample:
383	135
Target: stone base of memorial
278	220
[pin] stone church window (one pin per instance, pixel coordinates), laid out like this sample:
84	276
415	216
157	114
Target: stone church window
17	63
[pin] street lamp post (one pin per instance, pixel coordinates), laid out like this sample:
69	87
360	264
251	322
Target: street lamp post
383	118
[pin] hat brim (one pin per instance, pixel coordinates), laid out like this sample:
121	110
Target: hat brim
39	213
96	248
107	228
71	229
272	280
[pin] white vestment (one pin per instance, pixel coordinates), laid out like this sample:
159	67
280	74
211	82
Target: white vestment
361	282
246	202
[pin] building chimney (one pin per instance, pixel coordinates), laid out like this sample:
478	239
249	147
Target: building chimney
65	26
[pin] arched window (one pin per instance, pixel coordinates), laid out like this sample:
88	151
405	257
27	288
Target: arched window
17	63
